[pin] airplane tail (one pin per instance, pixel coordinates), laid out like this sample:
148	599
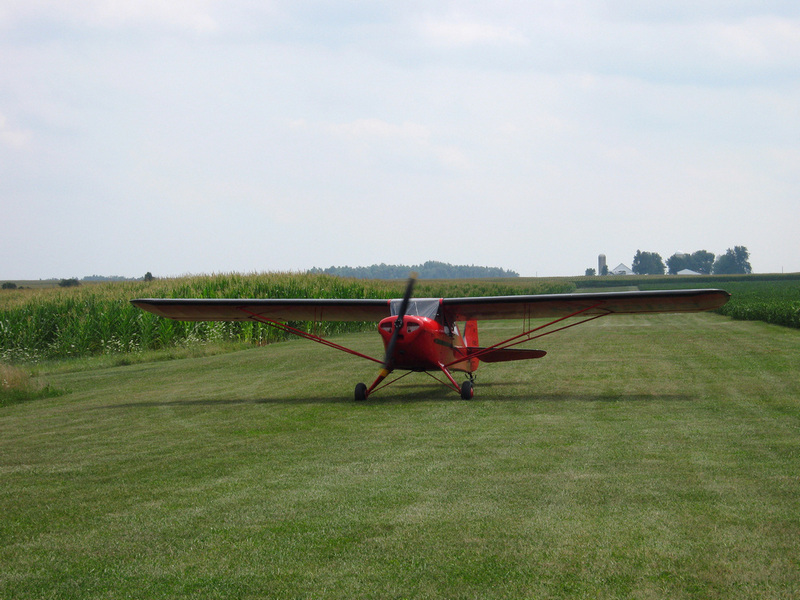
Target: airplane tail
471	333
471	339
499	355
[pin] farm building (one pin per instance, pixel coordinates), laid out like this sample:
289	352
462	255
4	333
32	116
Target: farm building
687	272
621	269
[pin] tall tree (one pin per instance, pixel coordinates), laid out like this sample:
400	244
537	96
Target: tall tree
430	270
735	261
702	261
678	262
647	263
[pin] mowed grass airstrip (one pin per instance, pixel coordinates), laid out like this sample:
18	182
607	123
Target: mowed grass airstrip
644	457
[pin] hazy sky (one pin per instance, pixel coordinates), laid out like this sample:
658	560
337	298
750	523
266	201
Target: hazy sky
197	136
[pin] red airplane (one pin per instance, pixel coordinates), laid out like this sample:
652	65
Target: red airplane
422	335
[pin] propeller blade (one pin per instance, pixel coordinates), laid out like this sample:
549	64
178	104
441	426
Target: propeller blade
398	324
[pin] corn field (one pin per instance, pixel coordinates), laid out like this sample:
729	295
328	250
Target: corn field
94	319
773	298
776	302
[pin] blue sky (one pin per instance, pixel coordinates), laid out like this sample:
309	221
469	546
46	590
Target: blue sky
199	136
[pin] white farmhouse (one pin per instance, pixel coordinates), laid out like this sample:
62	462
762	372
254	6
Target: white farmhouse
621	269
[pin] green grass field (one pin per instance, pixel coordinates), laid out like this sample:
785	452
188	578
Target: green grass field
644	457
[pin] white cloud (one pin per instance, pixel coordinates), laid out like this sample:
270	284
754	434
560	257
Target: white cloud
190	15
278	133
375	128
758	40
409	142
458	31
15	138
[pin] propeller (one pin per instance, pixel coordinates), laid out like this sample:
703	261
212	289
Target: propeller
388	366
398	324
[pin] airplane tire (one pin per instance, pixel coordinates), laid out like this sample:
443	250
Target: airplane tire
467	390
361	392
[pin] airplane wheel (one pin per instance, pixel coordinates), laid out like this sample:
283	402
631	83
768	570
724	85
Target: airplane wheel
361	392
467	390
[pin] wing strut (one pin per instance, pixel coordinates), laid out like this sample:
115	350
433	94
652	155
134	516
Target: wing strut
304	334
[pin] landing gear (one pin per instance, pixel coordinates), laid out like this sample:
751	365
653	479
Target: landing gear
467	390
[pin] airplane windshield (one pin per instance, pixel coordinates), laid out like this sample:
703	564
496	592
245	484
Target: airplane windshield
421	307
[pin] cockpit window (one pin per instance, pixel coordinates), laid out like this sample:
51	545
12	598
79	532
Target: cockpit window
421	307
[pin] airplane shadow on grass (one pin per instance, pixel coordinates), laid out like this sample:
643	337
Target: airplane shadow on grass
410	394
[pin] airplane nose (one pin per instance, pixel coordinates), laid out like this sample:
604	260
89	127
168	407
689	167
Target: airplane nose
409	326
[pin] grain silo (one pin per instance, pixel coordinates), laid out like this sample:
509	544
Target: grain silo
602	268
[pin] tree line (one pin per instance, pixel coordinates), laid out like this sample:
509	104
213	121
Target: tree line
735	261
429	270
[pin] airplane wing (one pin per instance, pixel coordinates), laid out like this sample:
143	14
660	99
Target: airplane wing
459	309
562	305
297	309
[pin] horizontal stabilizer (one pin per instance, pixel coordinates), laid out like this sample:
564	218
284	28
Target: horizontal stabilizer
500	355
